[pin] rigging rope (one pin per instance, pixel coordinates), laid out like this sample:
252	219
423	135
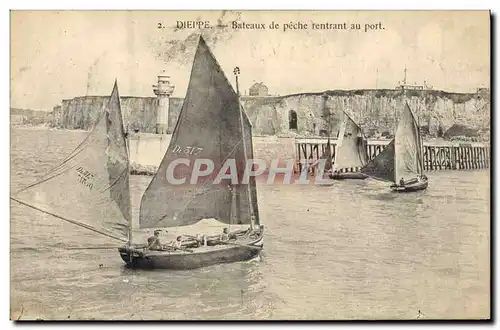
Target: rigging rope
81	224
79	149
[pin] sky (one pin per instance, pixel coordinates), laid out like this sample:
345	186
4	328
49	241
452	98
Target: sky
61	55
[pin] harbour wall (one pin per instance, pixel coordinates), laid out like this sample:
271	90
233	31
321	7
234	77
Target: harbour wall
437	154
147	151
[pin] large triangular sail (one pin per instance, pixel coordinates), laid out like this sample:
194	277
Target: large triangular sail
407	147
209	129
351	147
90	187
382	166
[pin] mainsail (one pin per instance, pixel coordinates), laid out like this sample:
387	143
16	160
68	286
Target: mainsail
407	147
351	147
209	127
90	187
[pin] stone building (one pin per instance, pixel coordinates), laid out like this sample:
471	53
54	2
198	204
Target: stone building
258	89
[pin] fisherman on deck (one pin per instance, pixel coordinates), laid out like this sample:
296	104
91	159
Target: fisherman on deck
225	235
259	229
154	241
177	243
201	240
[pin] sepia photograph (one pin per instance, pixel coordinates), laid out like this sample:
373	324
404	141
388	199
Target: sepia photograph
250	165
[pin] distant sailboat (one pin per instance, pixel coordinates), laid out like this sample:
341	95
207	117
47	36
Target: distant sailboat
90	188
401	162
350	154
211	125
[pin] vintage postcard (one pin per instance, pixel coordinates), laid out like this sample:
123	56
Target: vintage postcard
250	165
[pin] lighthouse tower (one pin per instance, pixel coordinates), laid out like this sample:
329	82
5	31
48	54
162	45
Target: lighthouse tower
163	90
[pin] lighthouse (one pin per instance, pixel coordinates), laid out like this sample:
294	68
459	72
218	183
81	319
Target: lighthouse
163	90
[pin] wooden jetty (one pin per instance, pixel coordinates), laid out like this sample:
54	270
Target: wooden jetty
443	155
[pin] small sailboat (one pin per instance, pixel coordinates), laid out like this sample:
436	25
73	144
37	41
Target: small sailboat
351	154
90	187
401	162
212	125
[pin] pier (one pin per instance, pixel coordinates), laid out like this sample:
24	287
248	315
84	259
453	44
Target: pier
437	155
147	151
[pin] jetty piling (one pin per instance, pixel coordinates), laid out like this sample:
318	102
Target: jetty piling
437	157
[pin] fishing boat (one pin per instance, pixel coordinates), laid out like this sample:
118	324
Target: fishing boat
212	125
350	151
401	162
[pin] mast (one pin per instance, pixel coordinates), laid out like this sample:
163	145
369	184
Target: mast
326	111
127	147
419	137
234	207
128	169
420	143
252	211
395	180
129	243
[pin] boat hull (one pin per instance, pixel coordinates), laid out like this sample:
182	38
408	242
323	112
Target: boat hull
421	185
348	176
198	258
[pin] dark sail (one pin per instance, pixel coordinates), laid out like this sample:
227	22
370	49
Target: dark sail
407	146
90	187
382	166
208	127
